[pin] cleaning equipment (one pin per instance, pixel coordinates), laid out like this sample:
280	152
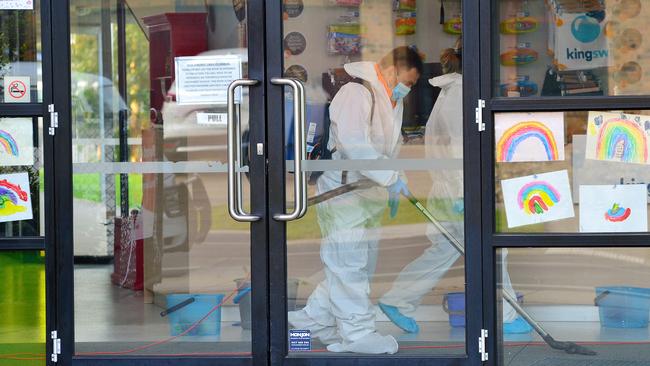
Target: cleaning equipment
243	299
623	307
568	347
453	303
184	310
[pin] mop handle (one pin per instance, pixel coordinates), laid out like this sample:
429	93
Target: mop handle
461	249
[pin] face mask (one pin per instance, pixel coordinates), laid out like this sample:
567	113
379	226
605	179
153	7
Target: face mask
400	91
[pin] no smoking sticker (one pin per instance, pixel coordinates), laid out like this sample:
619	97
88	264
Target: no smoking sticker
17	89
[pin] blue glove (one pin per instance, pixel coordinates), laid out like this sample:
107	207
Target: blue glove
459	206
394	191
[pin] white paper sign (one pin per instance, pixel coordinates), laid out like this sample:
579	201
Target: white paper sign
618	137
15	198
620	208
205	79
218	119
17	89
16	4
16	142
529	136
537	198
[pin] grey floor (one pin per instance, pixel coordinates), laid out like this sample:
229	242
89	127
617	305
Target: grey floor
112	320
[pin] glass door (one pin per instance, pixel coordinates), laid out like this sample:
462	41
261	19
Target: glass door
155	266
375	240
27	233
566	174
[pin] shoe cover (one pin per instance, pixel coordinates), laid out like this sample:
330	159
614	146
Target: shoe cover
326	334
517	326
407	324
373	343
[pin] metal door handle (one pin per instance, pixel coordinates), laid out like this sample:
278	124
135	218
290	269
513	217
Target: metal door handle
235	206
299	177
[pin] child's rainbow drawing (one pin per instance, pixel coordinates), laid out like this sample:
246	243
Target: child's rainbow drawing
8	143
617	213
16	142
613	208
525	137
618	137
520	132
537	198
15	200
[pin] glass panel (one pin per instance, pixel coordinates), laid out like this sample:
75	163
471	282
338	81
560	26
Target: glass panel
582	171
567	48
22	304
20	61
596	297
348	255
21	177
158	259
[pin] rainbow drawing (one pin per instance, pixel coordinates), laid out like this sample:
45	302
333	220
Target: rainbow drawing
8	143
622	140
11	196
617	213
537	197
522	131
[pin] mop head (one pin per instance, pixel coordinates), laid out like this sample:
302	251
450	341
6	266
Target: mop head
569	347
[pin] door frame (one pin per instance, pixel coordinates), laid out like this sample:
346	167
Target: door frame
46	243
277	201
64	302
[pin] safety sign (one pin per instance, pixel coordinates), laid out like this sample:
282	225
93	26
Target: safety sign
16	4
205	79
16	89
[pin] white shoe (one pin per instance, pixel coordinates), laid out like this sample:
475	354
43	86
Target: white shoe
300	320
373	343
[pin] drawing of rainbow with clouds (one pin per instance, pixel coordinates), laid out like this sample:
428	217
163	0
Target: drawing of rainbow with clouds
620	139
515	135
11	197
8	143
537	197
617	213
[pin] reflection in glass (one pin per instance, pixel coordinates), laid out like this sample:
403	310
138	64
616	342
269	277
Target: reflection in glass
563	48
596	297
158	261
373	278
22	305
20	62
582	171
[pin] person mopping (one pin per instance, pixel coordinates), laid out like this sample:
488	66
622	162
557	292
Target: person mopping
366	122
444	140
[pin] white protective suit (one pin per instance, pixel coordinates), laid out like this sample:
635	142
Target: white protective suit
443	140
339	310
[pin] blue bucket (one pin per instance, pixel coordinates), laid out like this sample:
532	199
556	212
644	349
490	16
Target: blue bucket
454	304
623	307
183	318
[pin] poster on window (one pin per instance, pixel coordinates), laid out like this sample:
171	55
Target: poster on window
618	137
16	142
580	41
15	198
613	208
529	136
537	198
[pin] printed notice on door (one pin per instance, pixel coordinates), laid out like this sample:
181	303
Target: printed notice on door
16	4
205	79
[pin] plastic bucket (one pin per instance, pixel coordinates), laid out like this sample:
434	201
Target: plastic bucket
184	318
453	303
243	299
623	307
